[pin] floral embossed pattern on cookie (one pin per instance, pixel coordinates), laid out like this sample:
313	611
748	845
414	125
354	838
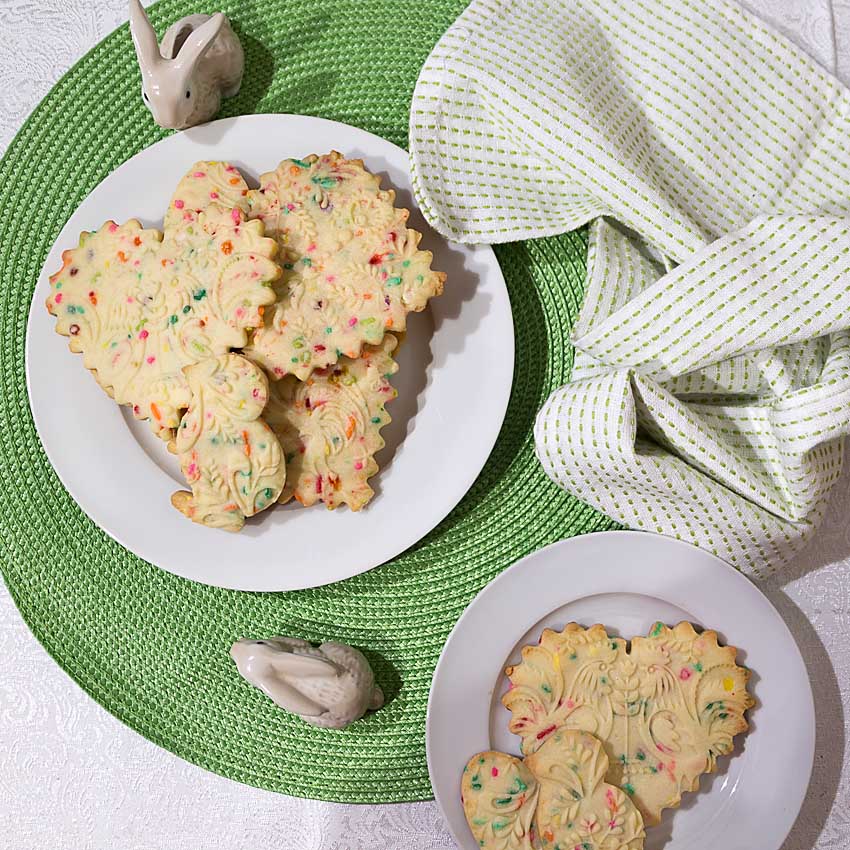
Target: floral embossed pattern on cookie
230	457
330	424
499	796
554	798
140	305
576	807
352	269
664	708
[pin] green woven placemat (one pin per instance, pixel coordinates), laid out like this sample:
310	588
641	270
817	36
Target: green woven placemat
152	648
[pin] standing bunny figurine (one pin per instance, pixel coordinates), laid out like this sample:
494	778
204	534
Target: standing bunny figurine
199	61
331	685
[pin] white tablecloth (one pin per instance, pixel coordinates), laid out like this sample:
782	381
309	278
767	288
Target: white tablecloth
71	776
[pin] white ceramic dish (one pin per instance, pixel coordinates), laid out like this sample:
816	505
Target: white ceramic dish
442	430
627	581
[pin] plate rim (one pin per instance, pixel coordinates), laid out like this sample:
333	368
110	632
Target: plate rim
488	430
787	816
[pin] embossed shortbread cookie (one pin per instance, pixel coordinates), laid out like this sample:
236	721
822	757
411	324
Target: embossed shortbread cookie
352	268
206	182
664	710
575	806
229	456
499	796
139	306
555	798
329	427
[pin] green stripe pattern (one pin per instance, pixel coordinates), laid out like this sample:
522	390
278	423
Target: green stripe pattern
710	390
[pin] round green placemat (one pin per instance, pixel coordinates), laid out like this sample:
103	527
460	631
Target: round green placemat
151	647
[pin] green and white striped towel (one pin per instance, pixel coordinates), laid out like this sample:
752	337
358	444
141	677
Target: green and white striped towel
711	386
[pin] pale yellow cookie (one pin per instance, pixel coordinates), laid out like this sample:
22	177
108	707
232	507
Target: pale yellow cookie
499	796
352	268
229	456
664	710
575	806
139	306
329	427
205	183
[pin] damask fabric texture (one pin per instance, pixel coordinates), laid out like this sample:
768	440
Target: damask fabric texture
712	373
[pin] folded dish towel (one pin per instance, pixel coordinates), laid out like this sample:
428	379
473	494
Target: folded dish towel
711	386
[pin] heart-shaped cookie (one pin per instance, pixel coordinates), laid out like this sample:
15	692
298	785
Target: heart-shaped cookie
575	806
499	797
664	708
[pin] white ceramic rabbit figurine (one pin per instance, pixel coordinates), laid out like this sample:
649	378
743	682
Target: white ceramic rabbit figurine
331	685
199	61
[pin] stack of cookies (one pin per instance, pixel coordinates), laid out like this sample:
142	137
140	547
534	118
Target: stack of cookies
255	332
612	733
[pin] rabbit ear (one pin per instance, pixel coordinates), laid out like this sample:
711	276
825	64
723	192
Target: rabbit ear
144	37
306	666
256	664
197	44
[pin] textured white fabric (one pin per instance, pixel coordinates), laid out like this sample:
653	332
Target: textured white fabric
71	776
712	379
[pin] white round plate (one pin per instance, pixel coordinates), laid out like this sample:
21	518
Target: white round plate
454	380
628	580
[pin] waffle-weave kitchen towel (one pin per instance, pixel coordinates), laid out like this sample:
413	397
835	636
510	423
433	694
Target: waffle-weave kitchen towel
711	157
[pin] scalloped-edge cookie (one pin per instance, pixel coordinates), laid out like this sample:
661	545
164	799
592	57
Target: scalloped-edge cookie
665	709
140	305
229	456
576	807
330	427
352	268
499	796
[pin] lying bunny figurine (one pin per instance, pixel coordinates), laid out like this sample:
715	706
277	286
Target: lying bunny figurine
199	61
331	685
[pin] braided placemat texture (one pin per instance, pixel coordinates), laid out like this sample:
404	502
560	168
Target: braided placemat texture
153	648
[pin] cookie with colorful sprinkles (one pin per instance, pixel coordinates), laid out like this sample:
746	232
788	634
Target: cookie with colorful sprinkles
576	807
206	182
229	456
330	424
665	708
140	305
352	269
499	797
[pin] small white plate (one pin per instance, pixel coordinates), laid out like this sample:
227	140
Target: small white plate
628	580
454	381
